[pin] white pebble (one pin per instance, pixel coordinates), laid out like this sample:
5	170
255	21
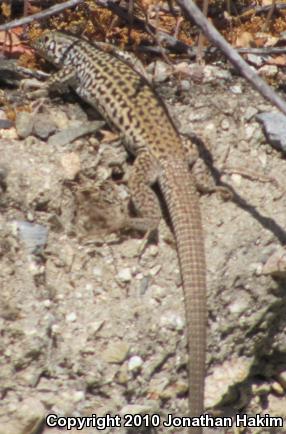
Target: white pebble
155	270
71	317
78	396
97	271
236	89
225	124
173	322
124	275
153	250
47	303
135	363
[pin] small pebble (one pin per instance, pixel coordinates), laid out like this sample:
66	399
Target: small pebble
185	85
153	250
282	379
78	396
241	304
274	128
71	165
250	112
97	271
249	131
225	124
268	71
10	134
33	235
236	178
237	90
135	363
144	284
71	317
5	124
155	270
89	287
47	303
254	59
160	70
56	329
24	124
173	322
277	388
44	125
35	269
263	159
157	292
30	415
116	352
260	389
140	409
68	135
276	263
124	275
213	73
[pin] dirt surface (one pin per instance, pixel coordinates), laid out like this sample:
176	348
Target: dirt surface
88	325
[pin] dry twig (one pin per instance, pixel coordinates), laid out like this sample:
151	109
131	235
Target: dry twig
200	56
263	51
261	9
269	17
40	15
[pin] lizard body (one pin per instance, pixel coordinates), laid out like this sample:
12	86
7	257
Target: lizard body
126	100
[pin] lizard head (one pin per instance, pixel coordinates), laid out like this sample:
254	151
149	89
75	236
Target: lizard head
53	46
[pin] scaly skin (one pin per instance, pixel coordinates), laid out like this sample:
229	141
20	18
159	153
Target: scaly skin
128	102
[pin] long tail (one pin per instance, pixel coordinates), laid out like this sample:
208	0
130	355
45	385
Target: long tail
183	205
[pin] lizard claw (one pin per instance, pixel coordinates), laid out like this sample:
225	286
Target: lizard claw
36	94
30	83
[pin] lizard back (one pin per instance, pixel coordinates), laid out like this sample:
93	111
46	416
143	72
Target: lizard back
120	94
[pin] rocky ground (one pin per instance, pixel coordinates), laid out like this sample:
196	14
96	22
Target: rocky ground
88	326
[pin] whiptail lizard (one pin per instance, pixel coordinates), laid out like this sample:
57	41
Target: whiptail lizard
128	102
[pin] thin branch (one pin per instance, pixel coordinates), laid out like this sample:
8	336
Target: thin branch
31	1
40	15
270	13
142	48
251	11
156	37
260	9
200	47
194	14
264	51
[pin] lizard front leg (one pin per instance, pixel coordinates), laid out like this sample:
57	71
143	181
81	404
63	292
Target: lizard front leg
59	82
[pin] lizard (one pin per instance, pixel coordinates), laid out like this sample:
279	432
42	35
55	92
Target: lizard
129	103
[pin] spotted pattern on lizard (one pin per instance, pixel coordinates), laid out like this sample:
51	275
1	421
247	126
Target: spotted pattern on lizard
127	101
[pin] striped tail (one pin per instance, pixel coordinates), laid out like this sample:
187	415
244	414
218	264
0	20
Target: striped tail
183	206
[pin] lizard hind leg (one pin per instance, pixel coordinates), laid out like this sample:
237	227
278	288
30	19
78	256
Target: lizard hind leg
145	172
